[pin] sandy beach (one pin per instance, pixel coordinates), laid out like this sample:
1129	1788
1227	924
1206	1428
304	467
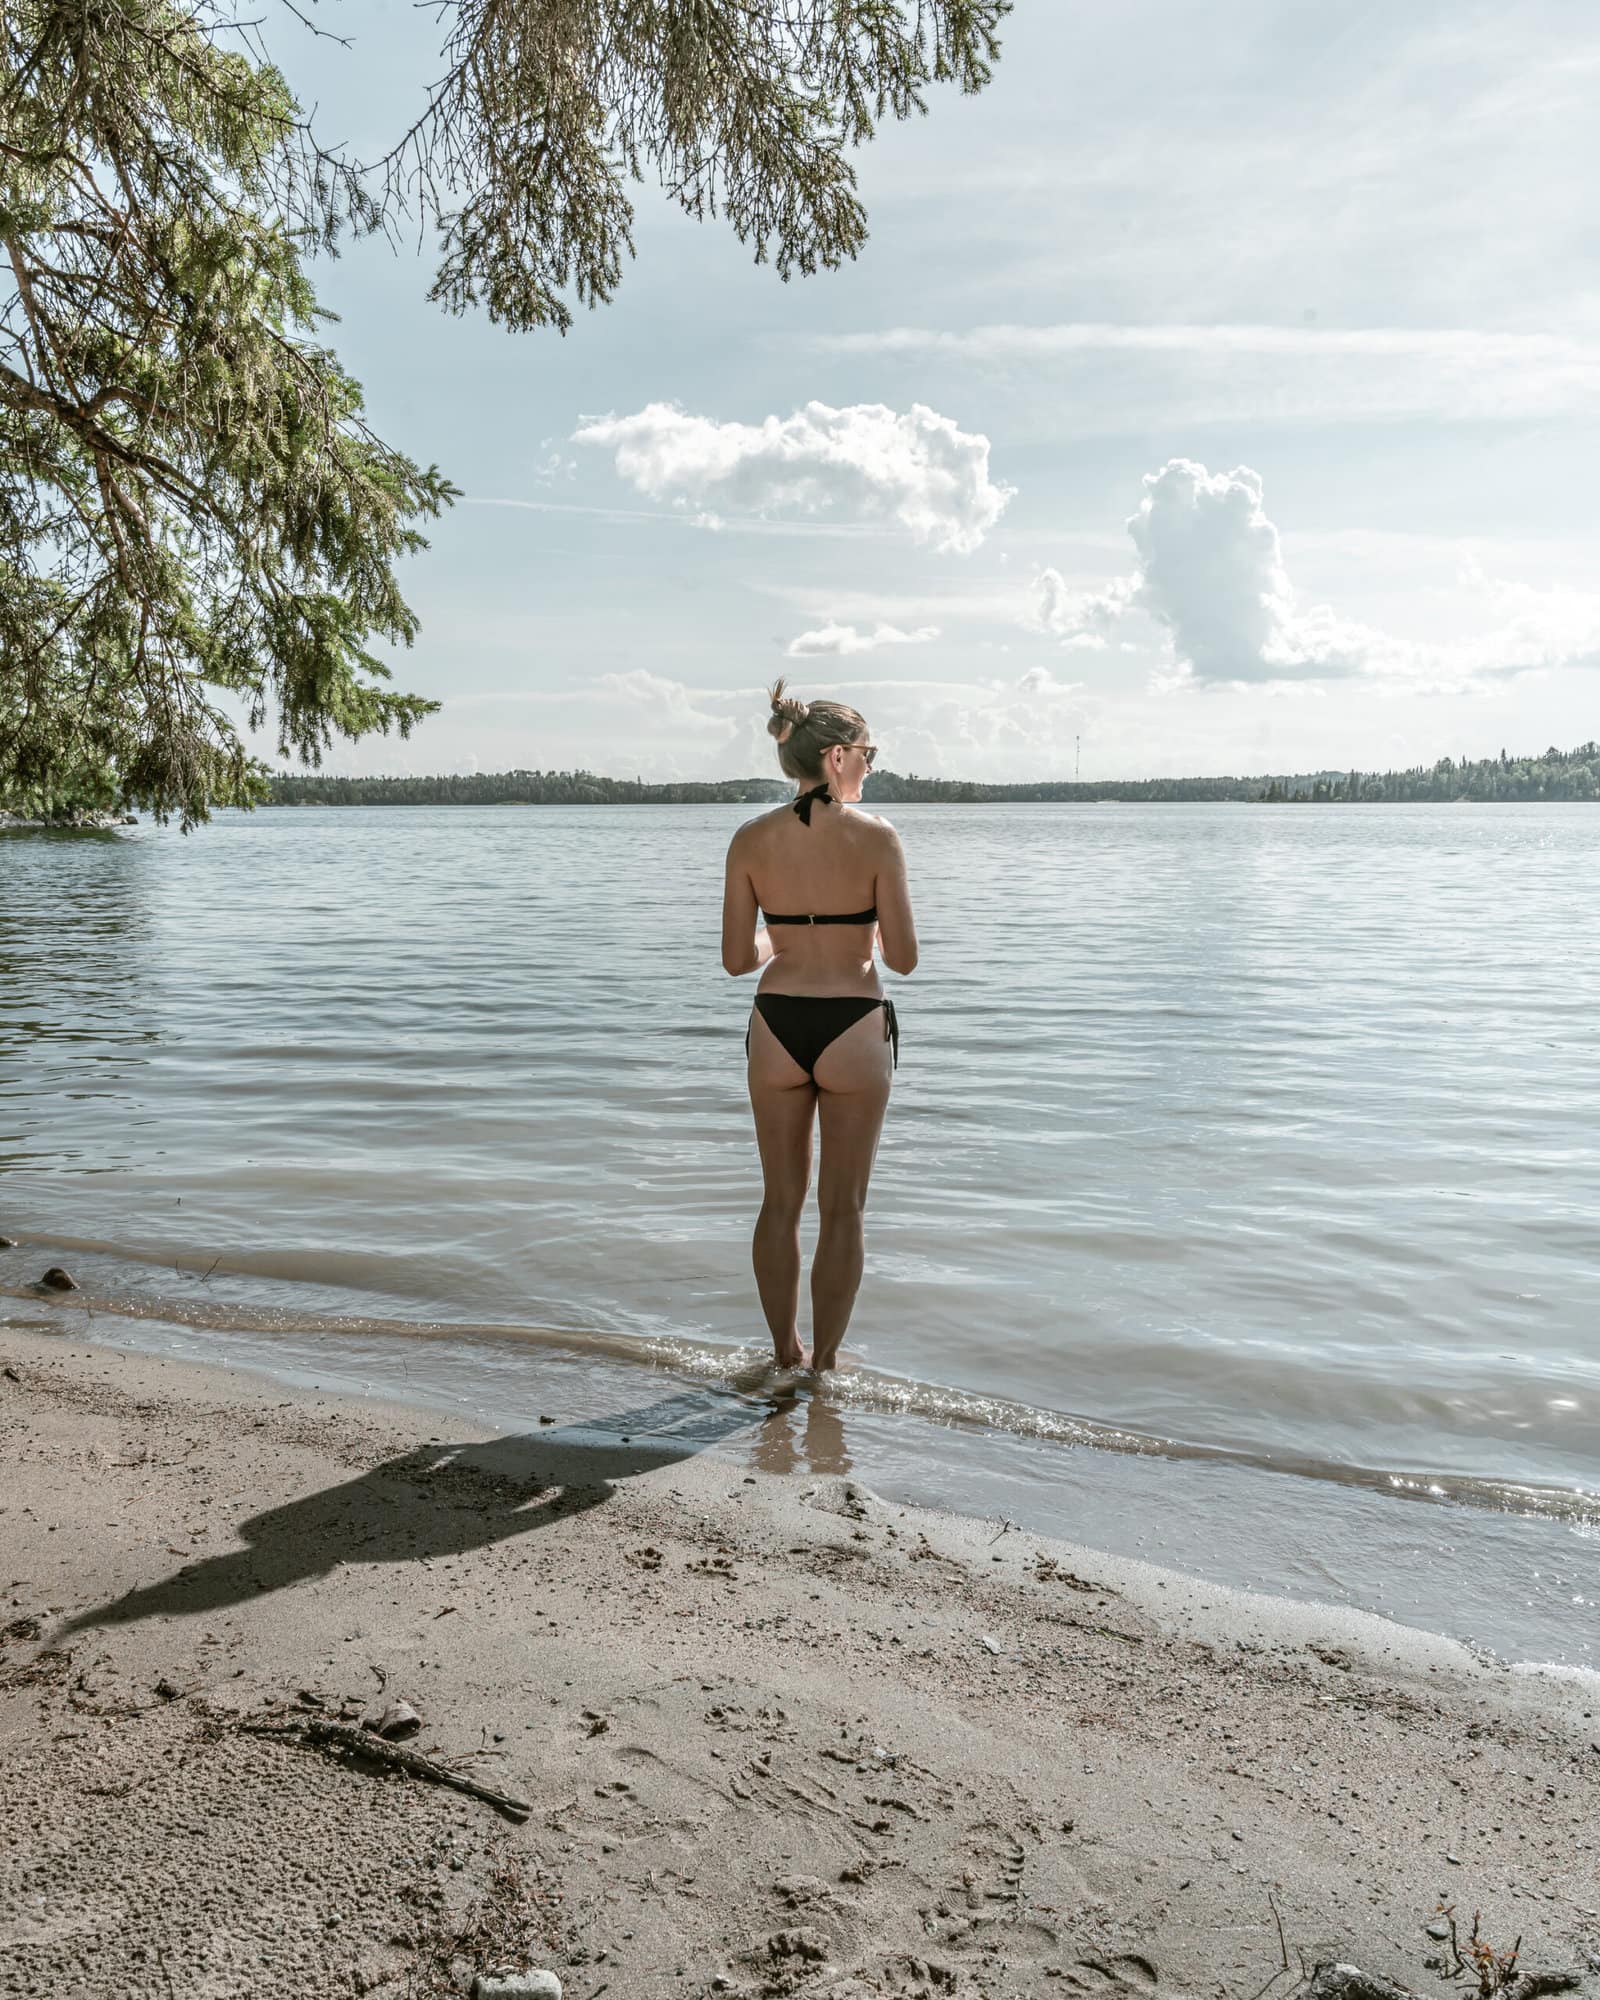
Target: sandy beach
773	1734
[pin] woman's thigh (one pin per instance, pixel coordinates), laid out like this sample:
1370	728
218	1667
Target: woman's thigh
854	1075
784	1100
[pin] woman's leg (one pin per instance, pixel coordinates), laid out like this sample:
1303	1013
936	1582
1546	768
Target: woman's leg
853	1076
784	1100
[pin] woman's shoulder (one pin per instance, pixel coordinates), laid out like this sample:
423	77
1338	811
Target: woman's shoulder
750	831
873	826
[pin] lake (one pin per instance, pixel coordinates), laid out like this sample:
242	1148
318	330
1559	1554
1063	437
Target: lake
1238	1206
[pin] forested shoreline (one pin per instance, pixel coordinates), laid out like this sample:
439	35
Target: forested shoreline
1557	774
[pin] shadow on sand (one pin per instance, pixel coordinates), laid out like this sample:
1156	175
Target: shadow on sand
445	1499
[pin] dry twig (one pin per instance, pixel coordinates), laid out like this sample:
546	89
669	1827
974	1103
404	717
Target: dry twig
352	1740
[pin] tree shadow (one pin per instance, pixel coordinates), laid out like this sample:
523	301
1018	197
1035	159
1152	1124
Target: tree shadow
441	1500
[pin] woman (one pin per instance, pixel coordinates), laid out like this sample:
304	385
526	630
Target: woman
822	1041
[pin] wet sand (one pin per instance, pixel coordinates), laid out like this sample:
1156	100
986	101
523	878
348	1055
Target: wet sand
775	1735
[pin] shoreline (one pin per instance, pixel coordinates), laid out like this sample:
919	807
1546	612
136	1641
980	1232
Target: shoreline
1427	1550
774	1730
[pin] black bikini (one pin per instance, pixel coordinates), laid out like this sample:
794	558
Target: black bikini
805	1023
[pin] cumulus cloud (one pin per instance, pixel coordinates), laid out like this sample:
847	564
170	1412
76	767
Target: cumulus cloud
850	639
915	468
1081	616
1211	570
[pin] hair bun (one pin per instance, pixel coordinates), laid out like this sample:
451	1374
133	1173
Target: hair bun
787	714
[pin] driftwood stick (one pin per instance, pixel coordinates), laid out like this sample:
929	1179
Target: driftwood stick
351	1738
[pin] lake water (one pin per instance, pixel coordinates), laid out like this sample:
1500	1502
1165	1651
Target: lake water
1239	1203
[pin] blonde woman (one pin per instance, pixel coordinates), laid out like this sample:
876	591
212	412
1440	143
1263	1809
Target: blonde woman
830	881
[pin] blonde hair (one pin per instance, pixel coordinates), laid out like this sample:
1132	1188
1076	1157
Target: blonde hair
803	730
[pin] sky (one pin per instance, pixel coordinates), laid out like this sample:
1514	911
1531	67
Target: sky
1218	392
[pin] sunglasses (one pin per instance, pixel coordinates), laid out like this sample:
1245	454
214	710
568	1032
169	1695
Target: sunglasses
868	750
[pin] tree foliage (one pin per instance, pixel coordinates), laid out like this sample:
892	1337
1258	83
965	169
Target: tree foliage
198	529
745	109
1558	774
519	788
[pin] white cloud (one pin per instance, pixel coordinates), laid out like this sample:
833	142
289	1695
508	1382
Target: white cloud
1211	573
1084	615
915	468
850	639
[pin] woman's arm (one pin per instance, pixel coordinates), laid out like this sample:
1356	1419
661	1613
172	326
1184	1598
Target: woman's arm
744	948
897	932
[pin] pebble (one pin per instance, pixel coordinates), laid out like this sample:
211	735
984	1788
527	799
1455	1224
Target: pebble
397	1718
516	1986
57	1280
1454	1860
1439	1929
8	1243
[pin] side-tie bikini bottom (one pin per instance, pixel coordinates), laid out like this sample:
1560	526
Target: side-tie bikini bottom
805	1023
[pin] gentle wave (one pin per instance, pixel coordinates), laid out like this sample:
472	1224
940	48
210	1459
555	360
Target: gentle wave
749	1371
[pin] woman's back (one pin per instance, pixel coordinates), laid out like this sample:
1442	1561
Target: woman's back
827	868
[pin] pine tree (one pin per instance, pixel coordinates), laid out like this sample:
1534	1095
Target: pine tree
198	529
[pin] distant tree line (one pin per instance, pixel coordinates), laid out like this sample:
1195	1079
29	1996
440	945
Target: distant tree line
1558	774
517	788
889	788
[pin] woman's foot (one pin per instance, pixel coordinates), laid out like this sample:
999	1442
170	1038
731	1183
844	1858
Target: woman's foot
790	1355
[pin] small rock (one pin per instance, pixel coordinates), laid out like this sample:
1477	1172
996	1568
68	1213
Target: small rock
57	1280
516	1986
1439	1929
12	1375
1454	1860
547	1420
8	1243
1349	1982
397	1718
988	1639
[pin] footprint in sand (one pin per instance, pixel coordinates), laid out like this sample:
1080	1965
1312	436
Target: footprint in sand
1130	1977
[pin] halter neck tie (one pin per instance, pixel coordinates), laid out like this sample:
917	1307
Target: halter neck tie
807	800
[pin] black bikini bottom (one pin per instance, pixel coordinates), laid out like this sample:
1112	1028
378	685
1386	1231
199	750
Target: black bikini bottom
805	1024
